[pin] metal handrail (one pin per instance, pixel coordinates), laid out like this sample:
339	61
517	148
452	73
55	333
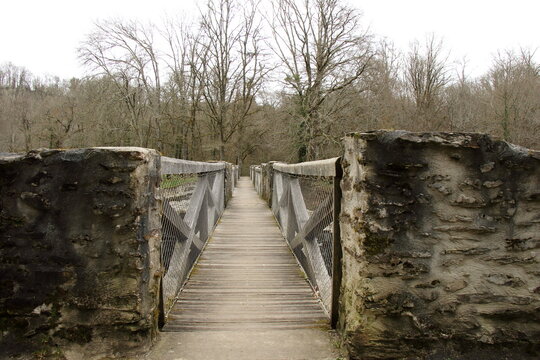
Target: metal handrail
179	166
306	200
192	196
326	167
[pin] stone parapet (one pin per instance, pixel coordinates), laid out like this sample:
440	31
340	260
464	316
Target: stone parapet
440	247
79	252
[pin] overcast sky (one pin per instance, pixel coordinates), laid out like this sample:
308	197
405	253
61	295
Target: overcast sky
43	35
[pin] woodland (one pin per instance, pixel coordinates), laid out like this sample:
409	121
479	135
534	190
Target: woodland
252	81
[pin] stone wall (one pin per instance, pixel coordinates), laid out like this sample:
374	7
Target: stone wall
440	236
79	252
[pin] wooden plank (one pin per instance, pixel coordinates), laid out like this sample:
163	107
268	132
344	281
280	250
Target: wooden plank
195	202
175	220
326	167
179	166
246	278
337	255
322	214
277	192
283	210
317	268
298	204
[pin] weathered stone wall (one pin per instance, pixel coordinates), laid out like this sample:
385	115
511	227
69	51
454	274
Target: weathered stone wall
440	236
79	252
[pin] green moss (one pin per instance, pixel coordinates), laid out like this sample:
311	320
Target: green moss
7	221
49	353
78	334
375	244
170	181
13	323
301	273
54	316
47	349
321	325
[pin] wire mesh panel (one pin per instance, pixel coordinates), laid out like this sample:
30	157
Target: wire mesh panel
257	179
192	199
175	193
236	175
304	208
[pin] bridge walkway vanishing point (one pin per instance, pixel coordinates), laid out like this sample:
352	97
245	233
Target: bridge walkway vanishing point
247	298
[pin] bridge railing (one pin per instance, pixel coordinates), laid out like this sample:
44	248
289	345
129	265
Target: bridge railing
256	177
192	198
305	199
235	175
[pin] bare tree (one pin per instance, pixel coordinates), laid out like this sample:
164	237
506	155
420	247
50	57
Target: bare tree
462	102
426	75
125	53
380	104
15	84
233	66
512	87
323	51
184	89
61	119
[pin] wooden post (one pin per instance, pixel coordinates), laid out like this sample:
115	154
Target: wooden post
161	305
270	182
336	249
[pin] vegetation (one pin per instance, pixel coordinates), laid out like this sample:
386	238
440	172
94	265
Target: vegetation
247	87
173	180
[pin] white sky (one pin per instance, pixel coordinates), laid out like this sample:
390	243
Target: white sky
43	35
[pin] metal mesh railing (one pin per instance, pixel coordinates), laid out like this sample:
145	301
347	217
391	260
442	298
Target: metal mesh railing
256	177
192	198
175	193
303	198
236	175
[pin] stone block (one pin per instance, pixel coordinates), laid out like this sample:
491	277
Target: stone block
466	205
79	252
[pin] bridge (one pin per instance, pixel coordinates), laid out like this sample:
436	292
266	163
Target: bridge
408	245
257	273
246	277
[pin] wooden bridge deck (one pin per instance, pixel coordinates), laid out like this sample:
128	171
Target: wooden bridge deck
246	277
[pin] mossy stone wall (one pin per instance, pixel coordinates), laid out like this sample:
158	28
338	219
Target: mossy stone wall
441	247
79	252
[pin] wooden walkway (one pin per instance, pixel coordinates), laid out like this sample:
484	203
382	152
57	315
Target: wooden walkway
246	278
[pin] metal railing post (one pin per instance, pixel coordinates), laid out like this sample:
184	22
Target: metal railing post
337	254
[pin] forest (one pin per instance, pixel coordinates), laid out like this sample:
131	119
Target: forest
252	81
